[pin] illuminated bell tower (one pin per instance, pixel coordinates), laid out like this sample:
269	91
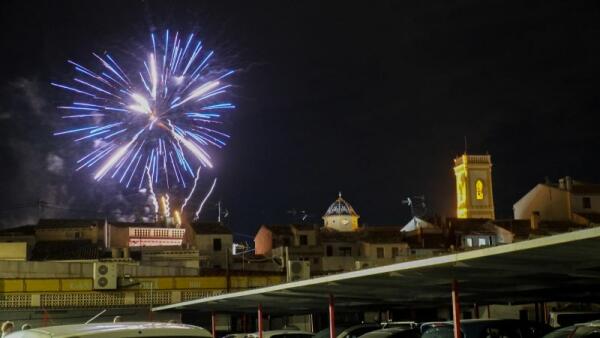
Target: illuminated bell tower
474	195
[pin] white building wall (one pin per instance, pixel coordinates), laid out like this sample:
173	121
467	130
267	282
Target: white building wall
552	203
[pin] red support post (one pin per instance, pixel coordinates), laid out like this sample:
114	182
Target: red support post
213	324
259	321
331	317
456	309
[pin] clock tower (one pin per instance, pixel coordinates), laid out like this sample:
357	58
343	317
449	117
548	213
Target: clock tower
474	195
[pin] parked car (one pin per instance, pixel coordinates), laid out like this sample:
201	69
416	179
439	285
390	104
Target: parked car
394	332
584	330
486	328
109	330
353	331
561	319
283	334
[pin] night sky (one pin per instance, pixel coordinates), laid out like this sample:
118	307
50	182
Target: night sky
373	99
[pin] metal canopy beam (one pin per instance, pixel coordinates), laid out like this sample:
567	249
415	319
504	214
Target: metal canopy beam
527	271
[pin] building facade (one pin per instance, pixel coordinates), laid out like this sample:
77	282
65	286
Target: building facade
567	200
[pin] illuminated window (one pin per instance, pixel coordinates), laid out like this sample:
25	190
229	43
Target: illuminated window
479	189
482	242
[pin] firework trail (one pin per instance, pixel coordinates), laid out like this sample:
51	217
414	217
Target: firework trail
197	215
192	190
159	115
152	195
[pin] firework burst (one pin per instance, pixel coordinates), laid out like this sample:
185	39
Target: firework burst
157	122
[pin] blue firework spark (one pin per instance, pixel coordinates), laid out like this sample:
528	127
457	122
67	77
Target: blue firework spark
161	118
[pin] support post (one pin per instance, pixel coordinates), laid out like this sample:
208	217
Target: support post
331	317
259	321
456	309
213	324
476	311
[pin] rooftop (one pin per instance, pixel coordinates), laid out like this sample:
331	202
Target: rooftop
210	228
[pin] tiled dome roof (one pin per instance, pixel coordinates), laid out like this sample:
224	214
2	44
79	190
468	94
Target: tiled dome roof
340	207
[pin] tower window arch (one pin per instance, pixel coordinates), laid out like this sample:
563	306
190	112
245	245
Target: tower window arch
479	189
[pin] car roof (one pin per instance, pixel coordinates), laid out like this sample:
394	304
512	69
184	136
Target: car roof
592	323
140	329
274	332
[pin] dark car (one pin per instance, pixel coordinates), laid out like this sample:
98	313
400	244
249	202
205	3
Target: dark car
486	328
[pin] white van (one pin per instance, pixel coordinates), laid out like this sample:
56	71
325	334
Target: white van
110	330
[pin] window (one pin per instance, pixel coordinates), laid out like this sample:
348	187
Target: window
286	241
329	251
316	260
482	242
479	189
395	252
379	252
587	203
216	244
77	234
469	242
346	251
303	240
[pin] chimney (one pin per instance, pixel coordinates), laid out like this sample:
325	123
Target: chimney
535	220
561	184
568	183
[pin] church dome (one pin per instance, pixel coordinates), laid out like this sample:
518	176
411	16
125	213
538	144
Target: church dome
340	208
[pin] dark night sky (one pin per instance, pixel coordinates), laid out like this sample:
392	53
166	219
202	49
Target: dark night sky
372	98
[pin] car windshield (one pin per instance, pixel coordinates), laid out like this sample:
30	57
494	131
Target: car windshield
325	332
359	331
445	331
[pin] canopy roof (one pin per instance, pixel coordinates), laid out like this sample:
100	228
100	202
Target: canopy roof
554	268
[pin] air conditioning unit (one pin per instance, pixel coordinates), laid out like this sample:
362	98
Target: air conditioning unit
359	265
298	270
105	276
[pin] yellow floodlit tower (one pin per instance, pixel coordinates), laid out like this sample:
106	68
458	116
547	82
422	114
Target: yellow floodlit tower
474	195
